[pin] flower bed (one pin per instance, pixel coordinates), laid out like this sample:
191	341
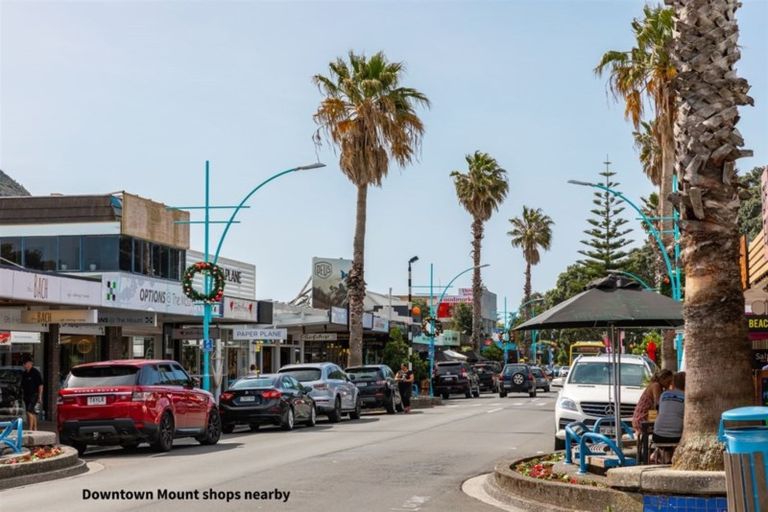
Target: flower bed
542	468
38	453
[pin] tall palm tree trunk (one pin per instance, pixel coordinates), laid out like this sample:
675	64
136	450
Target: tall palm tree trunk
477	283
717	351
527	308
356	282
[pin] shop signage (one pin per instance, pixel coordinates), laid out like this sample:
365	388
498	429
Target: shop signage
367	320
25	337
127	318
320	336
339	316
240	309
60	316
45	288
195	333
84	329
380	324
255	333
239	277
329	282
757	323
128	291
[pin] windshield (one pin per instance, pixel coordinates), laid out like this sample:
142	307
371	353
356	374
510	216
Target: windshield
259	382
452	368
600	373
514	368
303	374
363	373
96	376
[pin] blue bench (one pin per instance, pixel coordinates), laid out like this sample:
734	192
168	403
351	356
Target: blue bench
592	442
5	435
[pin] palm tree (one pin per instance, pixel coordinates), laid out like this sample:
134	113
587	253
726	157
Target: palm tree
646	72
717	351
480	191
371	118
530	232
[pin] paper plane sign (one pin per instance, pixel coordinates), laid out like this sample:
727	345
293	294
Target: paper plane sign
247	333
60	316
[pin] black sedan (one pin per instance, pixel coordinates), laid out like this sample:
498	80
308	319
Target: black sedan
377	386
267	400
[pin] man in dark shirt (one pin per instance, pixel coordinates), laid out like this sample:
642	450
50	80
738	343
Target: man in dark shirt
32	391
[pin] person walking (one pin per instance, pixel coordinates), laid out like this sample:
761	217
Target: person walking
404	380
32	392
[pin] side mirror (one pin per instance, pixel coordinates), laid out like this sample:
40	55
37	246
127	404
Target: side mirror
307	389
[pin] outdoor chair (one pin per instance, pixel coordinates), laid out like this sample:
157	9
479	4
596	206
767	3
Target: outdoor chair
593	443
5	435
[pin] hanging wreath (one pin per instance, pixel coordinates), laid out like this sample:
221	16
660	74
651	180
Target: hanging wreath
427	321
217	290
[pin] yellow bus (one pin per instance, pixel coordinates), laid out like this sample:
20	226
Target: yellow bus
586	348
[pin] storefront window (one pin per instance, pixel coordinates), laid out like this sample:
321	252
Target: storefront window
40	252
69	253
100	253
126	254
78	349
175	266
10	250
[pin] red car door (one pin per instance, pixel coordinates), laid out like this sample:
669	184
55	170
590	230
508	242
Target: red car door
196	402
177	395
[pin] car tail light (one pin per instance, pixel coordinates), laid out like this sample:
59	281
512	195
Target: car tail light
141	396
272	393
320	385
463	373
226	396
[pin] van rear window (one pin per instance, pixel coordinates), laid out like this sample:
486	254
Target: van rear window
100	376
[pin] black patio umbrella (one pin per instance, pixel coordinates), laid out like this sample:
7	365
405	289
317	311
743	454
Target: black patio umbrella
610	302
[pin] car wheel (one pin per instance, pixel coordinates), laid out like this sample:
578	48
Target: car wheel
212	429
502	394
546	390
228	428
391	407
254	427
335	415
559	444
355	415
288	420
312	421
165	433
532	394
80	447
400	407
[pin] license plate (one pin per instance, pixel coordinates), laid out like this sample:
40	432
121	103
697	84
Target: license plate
97	400
362	384
247	398
606	431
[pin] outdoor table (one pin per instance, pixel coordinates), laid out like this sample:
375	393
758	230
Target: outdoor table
643	445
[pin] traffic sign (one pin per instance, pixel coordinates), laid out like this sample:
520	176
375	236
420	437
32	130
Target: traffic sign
208	345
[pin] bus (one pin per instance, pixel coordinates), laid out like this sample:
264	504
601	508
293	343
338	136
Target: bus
586	348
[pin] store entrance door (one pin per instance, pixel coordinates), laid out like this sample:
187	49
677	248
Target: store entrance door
266	360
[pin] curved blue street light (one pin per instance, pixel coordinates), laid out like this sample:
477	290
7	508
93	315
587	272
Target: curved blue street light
433	313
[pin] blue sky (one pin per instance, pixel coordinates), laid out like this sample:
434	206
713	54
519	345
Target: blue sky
104	96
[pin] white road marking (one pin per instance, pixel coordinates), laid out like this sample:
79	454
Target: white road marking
413	503
541	403
495	404
477	405
518	403
495	410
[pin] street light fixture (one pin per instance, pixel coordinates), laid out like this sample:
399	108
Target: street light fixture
411	261
535	333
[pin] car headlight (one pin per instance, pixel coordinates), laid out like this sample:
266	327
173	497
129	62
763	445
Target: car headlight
567	403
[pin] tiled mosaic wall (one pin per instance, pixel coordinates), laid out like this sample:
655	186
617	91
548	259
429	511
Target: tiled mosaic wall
684	504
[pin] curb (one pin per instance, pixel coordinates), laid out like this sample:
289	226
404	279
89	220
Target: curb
18	481
528	493
66	464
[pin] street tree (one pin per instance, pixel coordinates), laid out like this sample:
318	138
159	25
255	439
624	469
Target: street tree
531	231
462	319
480	190
606	240
705	52
372	119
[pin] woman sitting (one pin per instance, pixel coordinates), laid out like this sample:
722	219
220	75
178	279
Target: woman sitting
650	398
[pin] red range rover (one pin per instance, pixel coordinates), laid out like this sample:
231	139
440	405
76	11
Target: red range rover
133	401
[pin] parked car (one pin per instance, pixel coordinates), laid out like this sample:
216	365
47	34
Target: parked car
377	387
332	390
487	373
517	378
542	382
268	399
455	377
588	390
132	401
11	403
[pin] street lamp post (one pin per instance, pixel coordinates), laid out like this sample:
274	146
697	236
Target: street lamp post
673	271
207	306
411	261
534	333
433	313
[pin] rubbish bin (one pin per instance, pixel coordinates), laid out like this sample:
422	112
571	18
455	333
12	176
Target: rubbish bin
747	460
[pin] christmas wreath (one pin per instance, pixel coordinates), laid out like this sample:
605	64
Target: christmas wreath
427	321
217	290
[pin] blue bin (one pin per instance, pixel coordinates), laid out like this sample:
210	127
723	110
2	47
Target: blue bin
747	439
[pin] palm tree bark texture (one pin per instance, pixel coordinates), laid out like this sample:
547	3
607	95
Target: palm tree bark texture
717	351
477	283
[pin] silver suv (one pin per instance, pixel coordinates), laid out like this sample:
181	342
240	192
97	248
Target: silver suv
332	390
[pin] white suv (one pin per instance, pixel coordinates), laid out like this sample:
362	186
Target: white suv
587	393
